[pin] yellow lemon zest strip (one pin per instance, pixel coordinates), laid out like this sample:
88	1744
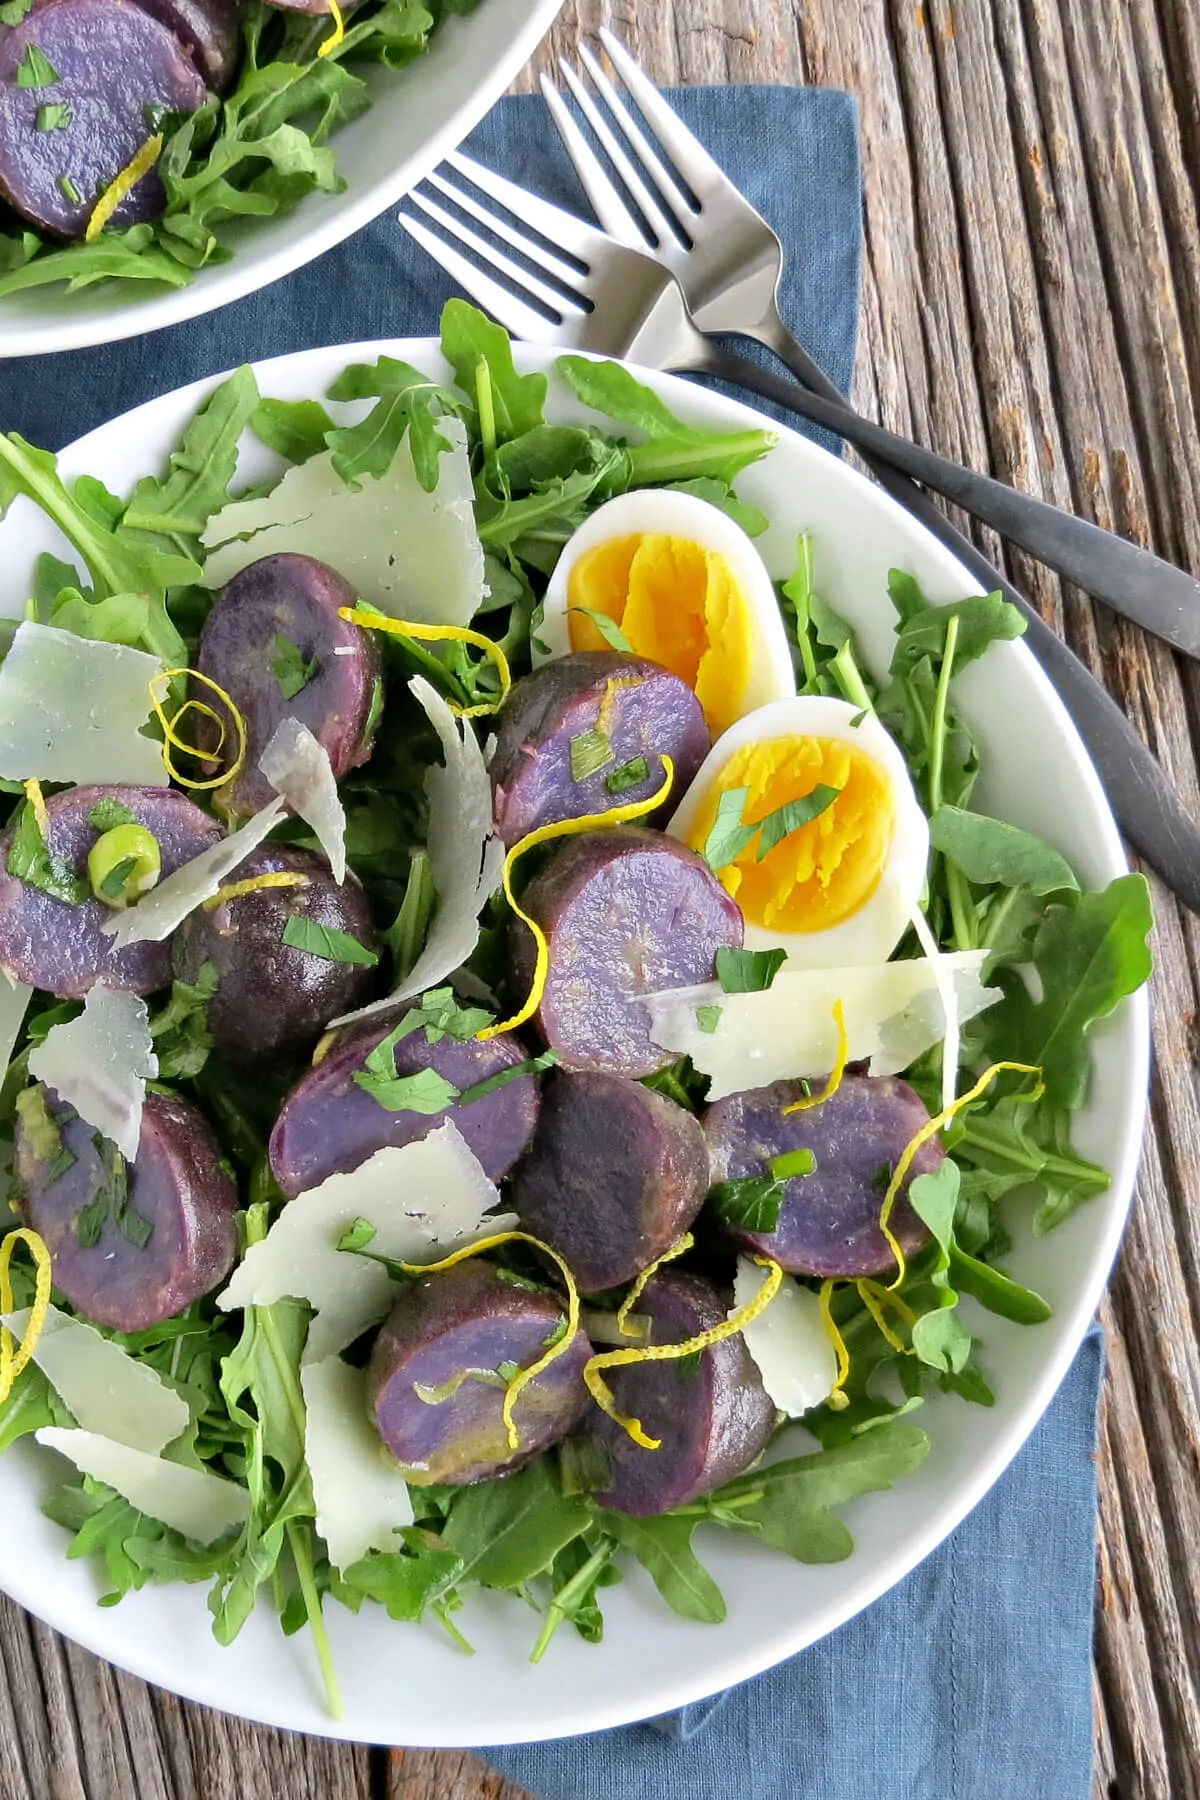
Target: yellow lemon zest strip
523	1377
337	34
173	741
124	184
237	890
434	634
639	1287
837	1396
617	815
12	1365
929	1130
37	800
602	1394
608	703
839	1068
875	1297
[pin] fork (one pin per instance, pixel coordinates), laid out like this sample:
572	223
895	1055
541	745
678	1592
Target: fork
728	260
617	301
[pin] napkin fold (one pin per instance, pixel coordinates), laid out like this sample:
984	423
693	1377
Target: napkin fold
971	1679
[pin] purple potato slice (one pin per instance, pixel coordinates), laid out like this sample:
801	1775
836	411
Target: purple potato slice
212	31
614	1177
274	1000
626	912
635	709
81	82
435	1385
329	1125
829	1220
713	1419
177	1239
63	948
276	625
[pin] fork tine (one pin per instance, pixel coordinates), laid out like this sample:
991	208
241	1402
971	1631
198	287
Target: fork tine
560	306
503	305
552	264
697	167
649	207
573	235
607	203
643	149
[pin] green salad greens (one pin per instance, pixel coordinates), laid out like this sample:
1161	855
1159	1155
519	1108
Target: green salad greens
1062	958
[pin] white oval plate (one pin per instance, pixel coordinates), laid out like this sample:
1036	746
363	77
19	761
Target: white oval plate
409	1685
418	115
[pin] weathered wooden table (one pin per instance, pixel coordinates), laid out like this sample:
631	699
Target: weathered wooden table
1031	305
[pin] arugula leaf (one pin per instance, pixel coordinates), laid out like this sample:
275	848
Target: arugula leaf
676	452
326	941
180	1030
405	937
406	1584
506	1532
748	971
140	621
1013	1142
296	429
719	494
408	405
291	669
983	619
939	1336
996	1290
749	1203
31	1403
629	775
590	751
1089	956
31	860
170	514
792	1504
663	1546
468	336
991	851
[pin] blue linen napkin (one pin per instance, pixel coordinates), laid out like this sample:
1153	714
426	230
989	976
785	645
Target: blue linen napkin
971	1680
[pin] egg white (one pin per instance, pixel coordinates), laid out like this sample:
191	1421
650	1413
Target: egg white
871	933
771	675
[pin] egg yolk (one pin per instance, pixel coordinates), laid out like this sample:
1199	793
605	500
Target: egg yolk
825	871
675	602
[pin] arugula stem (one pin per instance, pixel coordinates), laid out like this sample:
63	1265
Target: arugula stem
298	1543
961	911
486	405
850	681
566	1597
997	914
442	1614
937	729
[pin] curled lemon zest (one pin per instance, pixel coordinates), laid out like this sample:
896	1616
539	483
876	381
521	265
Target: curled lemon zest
338	33
173	741
617	815
37	801
917	1142
324	1046
877	1298
123	185
12	1364
839	1067
434	634
837	1396
237	890
602	1394
523	1377
608	703
639	1287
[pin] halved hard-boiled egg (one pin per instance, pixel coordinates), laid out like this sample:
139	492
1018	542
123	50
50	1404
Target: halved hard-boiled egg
686	587
841	888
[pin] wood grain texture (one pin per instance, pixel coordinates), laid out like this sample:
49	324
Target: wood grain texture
1031	304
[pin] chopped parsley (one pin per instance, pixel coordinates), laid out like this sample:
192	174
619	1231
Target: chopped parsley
608	628
291	669
750	1203
111	1201
55	116
709	1017
30	860
326	941
70	191
748	971
35	70
108	813
628	775
729	836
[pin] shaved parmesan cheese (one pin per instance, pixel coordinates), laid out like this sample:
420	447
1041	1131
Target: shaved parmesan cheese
464	858
362	1500
424	1200
414	555
164	908
944	983
72	709
789	1342
893	1014
104	1389
299	769
193	1502
100	1062
14	1004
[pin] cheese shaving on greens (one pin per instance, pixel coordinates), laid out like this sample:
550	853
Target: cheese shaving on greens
424	1200
944	983
299	769
197	1504
361	1498
72	709
100	1062
466	861
788	1342
414	555
893	1014
105	1390
164	909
